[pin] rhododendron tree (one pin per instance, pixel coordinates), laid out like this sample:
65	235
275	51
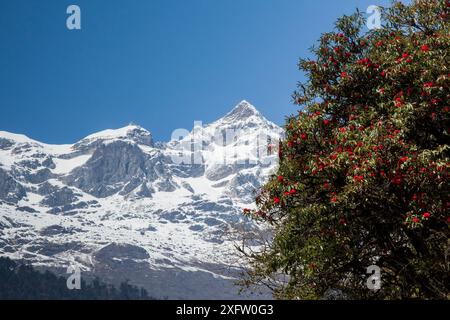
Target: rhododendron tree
363	177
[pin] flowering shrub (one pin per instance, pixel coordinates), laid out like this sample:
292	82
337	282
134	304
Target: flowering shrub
364	169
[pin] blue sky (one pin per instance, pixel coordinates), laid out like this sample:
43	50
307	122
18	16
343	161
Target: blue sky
158	63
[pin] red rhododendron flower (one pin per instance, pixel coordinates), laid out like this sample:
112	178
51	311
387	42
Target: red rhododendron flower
280	178
435	101
276	200
402	160
363	61
426	215
326	122
416	220
396	181
425	48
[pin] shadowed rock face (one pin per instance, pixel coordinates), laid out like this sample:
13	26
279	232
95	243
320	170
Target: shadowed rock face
57	230
111	167
40	176
118	162
51	249
5	144
10	189
115	251
121	167
57	197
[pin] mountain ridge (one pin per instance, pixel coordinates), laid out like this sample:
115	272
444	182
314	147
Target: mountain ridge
67	204
242	109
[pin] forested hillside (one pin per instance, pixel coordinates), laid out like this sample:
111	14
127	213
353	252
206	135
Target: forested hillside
23	282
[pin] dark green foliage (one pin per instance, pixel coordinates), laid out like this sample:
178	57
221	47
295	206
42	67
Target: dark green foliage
22	282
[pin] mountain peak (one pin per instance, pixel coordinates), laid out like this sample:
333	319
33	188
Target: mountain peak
15	137
244	115
242	111
132	132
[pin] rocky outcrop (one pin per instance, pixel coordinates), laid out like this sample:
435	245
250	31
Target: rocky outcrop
10	189
116	251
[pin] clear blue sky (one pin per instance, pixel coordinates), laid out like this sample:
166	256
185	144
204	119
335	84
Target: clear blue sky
158	63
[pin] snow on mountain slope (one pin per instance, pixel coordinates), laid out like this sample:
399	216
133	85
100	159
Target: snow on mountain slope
64	166
121	206
132	133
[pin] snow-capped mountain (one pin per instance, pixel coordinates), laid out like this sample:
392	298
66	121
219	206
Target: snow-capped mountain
121	206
